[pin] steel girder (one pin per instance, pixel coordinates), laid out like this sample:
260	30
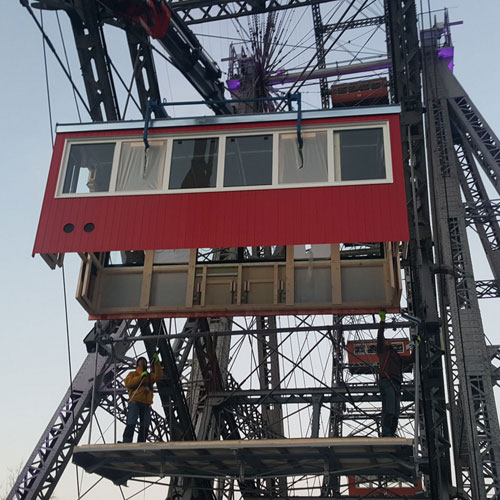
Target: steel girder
222	424
474	140
169	388
483	212
270	379
331	483
473	405
91	48
365	393
481	137
184	50
52	453
319	30
71	419
355	23
202	11
144	70
487	289
480	212
406	89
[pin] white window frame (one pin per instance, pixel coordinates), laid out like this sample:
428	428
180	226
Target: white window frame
387	154
64	166
333	159
168	163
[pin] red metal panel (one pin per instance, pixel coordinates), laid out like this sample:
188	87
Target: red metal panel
337	214
368	354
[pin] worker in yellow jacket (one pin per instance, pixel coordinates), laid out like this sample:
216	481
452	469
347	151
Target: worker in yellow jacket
139	384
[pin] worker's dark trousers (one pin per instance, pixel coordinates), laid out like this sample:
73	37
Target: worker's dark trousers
136	411
390	392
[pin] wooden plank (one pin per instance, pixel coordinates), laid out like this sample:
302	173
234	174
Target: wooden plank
86	278
390	262
290	275
336	274
147	274
397	294
239	284
203	286
275	283
387	274
191	277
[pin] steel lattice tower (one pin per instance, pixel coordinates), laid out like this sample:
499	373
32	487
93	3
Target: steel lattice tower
201	397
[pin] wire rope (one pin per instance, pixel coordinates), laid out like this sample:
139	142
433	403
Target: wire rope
67	64
331	45
52	48
68	348
47	86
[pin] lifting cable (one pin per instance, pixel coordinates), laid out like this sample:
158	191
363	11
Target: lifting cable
47	86
46	42
352	18
67	64
26	4
68	347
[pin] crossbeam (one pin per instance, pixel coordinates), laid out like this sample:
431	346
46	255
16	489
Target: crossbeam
250	459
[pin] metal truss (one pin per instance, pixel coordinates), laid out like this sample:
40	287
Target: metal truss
99	385
481	138
472	139
144	71
406	89
319	30
202	397
487	289
183	48
482	212
202	11
52	453
355	23
270	380
455	131
92	52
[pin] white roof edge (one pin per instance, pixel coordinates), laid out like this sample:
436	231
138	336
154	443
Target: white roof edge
224	119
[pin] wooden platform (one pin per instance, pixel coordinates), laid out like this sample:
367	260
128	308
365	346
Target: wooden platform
249	458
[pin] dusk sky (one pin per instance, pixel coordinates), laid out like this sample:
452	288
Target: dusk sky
33	339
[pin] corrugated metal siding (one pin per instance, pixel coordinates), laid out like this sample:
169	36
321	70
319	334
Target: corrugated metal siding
226	219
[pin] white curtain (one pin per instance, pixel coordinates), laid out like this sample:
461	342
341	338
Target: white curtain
141	170
314	167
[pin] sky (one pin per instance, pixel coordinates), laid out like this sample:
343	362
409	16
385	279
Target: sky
33	334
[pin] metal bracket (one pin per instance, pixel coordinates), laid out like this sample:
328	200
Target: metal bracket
289	98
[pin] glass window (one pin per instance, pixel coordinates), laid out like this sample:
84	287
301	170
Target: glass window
313	166
361	251
249	160
140	169
89	168
359	349
194	163
361	154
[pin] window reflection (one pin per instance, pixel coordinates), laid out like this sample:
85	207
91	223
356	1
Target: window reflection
194	163
249	160
361	154
89	168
